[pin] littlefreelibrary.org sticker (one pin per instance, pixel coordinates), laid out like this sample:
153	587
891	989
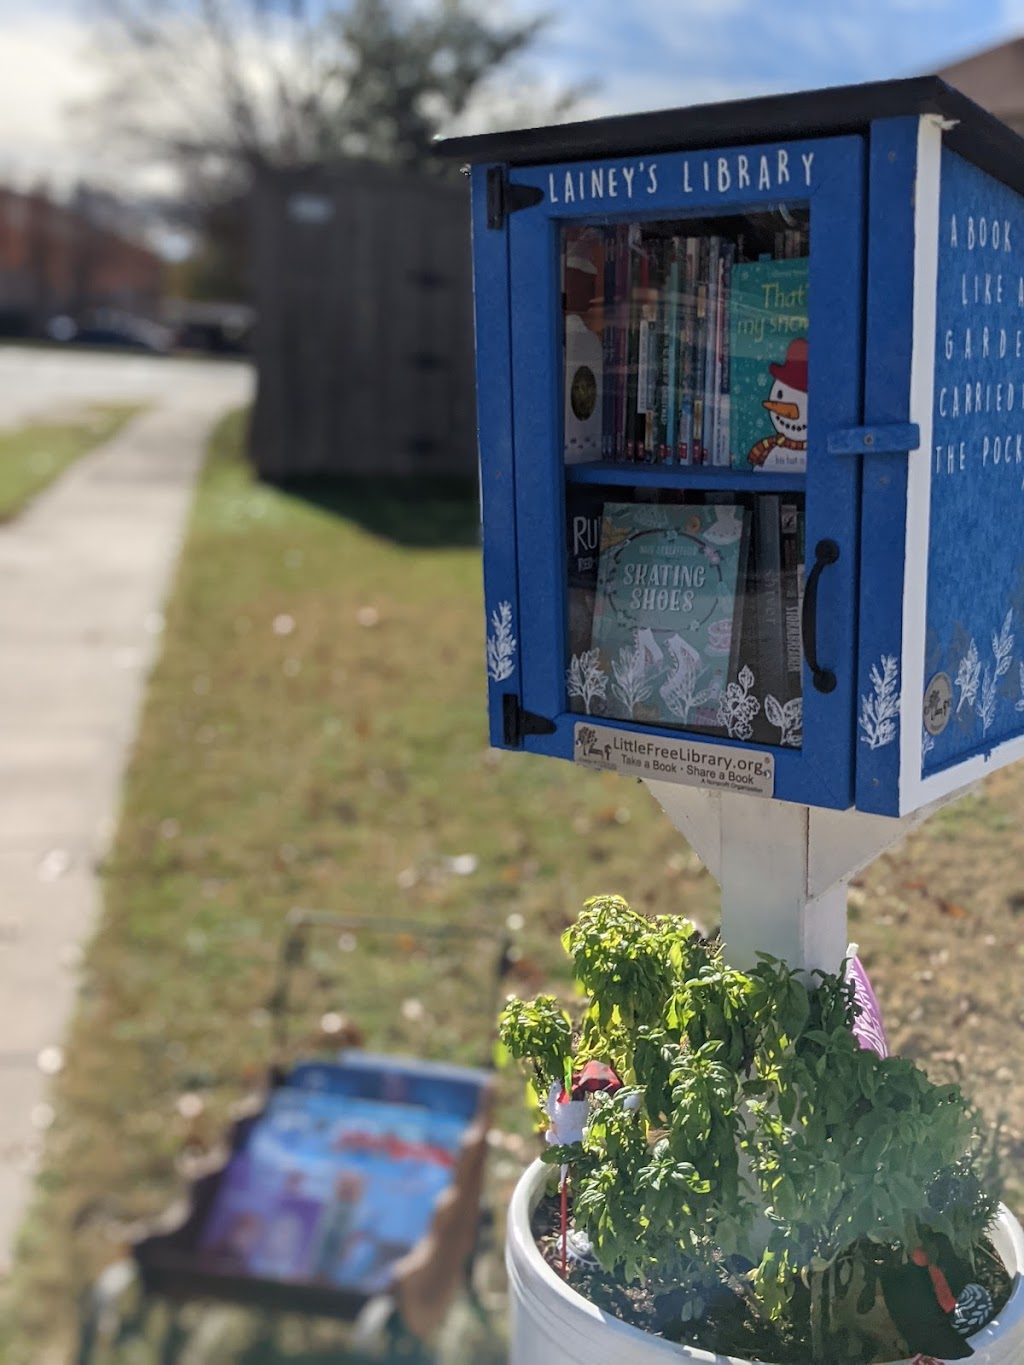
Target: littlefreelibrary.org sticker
674	760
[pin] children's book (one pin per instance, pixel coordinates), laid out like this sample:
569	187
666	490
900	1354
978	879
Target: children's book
768	364
664	610
340	1175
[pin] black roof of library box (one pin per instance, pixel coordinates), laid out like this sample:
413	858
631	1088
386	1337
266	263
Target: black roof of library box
974	133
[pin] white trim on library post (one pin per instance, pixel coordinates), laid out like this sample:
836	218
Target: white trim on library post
922	397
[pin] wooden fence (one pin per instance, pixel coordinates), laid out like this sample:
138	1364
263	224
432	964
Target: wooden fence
364	343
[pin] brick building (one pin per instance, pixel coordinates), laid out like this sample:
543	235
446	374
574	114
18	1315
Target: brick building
65	259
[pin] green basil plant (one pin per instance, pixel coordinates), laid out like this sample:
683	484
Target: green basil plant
761	1184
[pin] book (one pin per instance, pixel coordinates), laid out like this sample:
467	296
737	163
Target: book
768	364
609	322
685	453
583	348
708	380
723	425
621	309
336	1181
664	609
649	355
637	288
670	372
699	454
791	522
584	506
769	647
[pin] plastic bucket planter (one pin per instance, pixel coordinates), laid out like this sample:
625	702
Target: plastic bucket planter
553	1325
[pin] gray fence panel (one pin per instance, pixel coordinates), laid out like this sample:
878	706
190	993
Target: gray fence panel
364	346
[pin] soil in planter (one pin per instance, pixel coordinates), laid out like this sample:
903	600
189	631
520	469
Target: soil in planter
727	1325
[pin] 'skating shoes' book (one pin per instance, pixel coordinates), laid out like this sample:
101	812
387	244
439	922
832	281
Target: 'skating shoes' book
663	644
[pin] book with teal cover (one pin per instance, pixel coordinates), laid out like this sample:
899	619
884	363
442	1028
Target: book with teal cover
664	611
768	323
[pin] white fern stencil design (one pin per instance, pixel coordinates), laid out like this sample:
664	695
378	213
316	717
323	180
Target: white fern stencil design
738	710
880	708
1002	657
680	692
631	670
787	717
585	679
501	645
968	676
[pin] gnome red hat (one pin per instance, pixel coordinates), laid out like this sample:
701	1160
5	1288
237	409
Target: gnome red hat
793	372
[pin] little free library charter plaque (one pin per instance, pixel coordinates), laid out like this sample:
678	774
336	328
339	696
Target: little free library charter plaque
690	762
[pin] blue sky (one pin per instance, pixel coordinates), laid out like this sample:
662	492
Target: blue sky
640	54
669	52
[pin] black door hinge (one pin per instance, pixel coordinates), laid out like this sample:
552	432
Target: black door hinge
515	722
504	198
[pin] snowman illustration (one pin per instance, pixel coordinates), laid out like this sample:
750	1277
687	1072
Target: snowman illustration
786	449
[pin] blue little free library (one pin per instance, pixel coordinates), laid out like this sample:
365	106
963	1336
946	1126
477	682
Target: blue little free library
751	397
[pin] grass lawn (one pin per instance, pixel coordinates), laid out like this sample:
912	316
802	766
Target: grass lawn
314	735
31	457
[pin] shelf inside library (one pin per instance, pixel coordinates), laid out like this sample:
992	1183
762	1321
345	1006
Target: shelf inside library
631	474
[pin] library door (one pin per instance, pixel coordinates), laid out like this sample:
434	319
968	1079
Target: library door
686	331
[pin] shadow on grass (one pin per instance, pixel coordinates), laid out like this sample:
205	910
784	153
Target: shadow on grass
423	512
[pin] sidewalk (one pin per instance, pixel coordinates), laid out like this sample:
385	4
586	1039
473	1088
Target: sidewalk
83	576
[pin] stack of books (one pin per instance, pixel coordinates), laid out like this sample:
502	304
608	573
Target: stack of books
675	341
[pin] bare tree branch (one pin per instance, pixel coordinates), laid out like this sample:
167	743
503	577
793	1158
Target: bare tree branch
220	87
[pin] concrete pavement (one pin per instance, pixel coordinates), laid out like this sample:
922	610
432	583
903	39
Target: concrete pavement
44	382
83	576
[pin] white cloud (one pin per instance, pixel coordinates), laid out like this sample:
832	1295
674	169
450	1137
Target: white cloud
42	70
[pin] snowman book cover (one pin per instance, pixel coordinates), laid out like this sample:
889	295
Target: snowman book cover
664	611
768	359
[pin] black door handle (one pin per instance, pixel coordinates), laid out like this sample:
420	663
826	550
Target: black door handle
825	552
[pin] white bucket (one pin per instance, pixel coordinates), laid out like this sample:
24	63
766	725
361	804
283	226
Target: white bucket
553	1325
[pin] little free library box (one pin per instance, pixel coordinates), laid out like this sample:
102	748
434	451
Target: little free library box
751	395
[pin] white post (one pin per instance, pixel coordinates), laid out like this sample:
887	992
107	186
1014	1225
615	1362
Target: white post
766	902
783	868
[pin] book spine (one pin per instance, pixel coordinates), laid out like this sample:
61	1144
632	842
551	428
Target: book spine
791	534
661	396
608	348
700	352
708	379
687	351
648	358
670	377
717	366
723	435
583	511
623	279
771	633
633	344
657	287
749	623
